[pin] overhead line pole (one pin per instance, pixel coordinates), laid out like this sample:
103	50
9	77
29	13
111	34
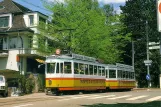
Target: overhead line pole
147	52
133	55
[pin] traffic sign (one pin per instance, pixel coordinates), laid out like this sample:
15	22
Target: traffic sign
148	77
147	62
154	43
154	47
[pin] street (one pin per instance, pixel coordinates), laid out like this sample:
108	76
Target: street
135	98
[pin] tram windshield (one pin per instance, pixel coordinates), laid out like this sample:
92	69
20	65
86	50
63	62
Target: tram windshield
50	67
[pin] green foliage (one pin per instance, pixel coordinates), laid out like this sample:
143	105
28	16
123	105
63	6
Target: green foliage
26	84
41	82
83	27
29	84
135	14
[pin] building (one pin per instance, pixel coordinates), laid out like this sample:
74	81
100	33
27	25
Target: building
18	37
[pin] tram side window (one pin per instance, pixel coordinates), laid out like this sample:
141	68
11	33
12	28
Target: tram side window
91	69
119	72
126	74
86	69
106	73
81	68
50	67
112	73
99	70
123	74
103	71
67	67
76	69
95	70
132	75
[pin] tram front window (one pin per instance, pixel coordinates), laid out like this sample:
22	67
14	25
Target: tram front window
50	67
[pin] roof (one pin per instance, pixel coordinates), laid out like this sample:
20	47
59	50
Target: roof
12	7
18	10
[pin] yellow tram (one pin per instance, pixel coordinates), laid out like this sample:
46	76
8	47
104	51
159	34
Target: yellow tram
120	76
80	73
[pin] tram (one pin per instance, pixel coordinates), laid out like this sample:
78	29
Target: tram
120	76
74	72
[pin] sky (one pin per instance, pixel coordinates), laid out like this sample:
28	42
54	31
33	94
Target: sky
36	5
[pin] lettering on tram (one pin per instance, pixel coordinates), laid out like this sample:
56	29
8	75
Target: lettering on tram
76	73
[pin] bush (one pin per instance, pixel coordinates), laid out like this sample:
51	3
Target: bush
26	84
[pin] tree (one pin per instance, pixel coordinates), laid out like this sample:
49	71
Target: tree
136	13
83	27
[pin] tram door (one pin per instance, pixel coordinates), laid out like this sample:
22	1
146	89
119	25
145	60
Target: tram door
107	78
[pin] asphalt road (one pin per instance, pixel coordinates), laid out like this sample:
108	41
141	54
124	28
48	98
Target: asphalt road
136	98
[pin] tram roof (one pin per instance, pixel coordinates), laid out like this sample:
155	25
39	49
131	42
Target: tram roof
72	56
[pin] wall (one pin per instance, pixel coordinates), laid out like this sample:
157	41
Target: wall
3	63
11	62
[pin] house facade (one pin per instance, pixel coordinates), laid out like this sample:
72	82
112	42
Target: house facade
18	38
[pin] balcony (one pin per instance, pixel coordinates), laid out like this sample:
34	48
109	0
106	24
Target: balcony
29	52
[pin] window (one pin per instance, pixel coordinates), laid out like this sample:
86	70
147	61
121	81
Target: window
103	71
119	74
91	69
76	70
123	74
30	41
1	43
4	21
2	7
13	42
31	20
51	68
61	67
106	73
81	68
67	68
95	70
132	75
86	69
1	78
99	70
112	73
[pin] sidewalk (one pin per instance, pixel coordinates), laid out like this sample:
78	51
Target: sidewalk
35	95
146	89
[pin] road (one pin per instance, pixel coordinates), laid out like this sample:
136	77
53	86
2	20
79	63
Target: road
136	98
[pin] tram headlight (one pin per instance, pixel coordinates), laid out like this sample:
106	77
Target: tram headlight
50	82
